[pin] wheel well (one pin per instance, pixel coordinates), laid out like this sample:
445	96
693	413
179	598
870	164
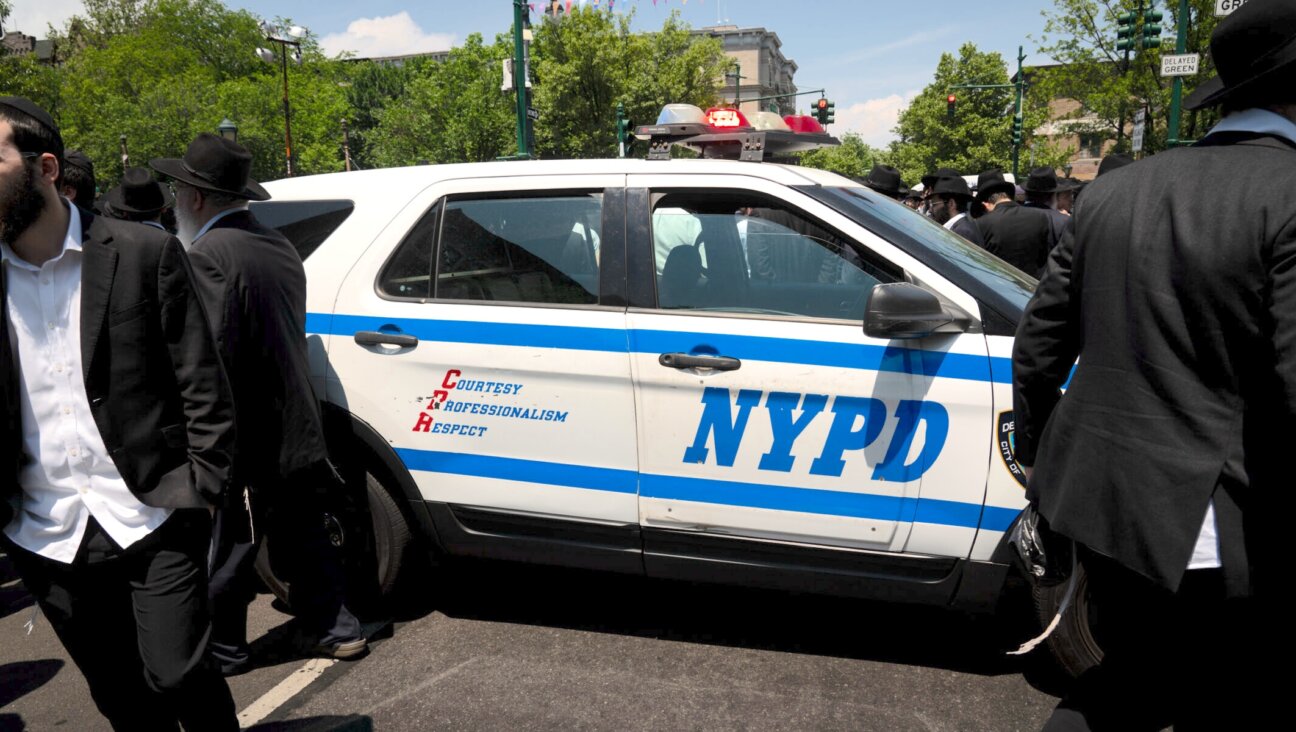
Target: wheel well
343	427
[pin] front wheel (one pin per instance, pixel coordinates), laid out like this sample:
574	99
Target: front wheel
1075	644
374	542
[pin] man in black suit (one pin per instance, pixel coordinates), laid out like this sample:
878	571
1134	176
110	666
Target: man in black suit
116	432
254	287
1018	235
138	198
1167	459
1042	188
885	180
948	206
79	184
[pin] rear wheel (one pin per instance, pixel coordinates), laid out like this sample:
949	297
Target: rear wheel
1076	643
374	542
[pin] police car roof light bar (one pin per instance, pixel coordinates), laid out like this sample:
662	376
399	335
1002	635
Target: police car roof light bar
688	126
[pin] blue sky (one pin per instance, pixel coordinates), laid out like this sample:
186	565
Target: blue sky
871	55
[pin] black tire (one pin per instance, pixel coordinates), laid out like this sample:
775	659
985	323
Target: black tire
376	547
1076	643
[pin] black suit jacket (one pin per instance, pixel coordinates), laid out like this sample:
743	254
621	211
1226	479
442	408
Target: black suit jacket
254	288
152	374
967	228
1178	295
1018	235
1057	219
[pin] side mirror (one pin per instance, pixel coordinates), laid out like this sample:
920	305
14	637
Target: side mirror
905	310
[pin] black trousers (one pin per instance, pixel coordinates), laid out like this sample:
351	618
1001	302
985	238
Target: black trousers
1189	658
135	622
290	515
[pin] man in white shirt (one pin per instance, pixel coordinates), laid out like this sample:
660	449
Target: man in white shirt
115	432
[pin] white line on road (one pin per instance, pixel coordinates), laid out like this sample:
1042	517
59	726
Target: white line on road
285	690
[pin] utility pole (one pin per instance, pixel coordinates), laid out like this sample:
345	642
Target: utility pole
346	145
1176	87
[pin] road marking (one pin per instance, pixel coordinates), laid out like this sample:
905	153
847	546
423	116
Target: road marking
285	690
425	684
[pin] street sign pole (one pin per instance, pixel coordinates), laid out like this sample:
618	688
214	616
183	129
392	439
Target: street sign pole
519	77
1176	93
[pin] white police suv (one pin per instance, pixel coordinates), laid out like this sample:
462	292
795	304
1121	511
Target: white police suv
703	369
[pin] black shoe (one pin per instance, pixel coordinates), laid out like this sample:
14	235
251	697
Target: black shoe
235	668
344	650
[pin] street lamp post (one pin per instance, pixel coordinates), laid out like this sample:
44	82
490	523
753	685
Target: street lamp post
272	34
228	130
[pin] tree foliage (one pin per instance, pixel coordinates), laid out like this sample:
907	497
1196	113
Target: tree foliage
853	158
1081	36
588	61
979	136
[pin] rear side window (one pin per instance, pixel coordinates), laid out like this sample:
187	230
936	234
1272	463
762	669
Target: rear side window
534	249
305	223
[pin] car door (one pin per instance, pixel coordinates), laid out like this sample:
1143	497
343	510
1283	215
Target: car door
478	337
764	411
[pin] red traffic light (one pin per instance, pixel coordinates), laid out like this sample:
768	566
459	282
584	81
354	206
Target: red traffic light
951	99
822	103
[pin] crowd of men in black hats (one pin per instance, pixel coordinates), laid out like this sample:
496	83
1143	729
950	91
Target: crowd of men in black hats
157	421
1019	224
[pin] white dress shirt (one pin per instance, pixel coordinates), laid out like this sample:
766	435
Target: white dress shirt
950	224
69	476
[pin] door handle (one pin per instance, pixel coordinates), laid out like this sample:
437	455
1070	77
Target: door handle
687	361
381	338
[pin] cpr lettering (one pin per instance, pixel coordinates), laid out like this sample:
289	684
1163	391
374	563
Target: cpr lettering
857	423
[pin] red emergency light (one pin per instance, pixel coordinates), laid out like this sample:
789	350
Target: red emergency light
804	123
726	118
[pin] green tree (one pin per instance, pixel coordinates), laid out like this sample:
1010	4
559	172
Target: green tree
451	112
162	71
25	76
1110	84
370	87
588	60
853	158
979	136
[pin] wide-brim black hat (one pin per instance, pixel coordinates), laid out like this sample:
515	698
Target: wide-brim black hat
139	194
885	180
951	185
1115	161
213	163
1253	48
991	182
1043	180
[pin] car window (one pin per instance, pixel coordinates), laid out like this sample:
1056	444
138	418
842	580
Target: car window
747	253
408	273
304	223
532	249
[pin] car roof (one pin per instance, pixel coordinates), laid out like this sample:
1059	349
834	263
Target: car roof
380	181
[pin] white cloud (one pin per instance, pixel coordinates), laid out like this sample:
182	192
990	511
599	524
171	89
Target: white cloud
392	35
873	119
34	18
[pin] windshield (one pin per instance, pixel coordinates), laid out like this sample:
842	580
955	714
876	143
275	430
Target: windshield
988	278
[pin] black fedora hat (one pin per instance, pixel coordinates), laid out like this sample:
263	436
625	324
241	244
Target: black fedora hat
139	194
1254	49
991	182
1042	180
885	180
213	163
929	179
951	185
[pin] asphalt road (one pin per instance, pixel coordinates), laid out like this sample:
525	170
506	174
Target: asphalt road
499	646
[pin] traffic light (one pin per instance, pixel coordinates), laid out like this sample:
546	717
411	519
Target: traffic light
1017	130
624	131
823	111
830	113
950	101
1125	31
1152	28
